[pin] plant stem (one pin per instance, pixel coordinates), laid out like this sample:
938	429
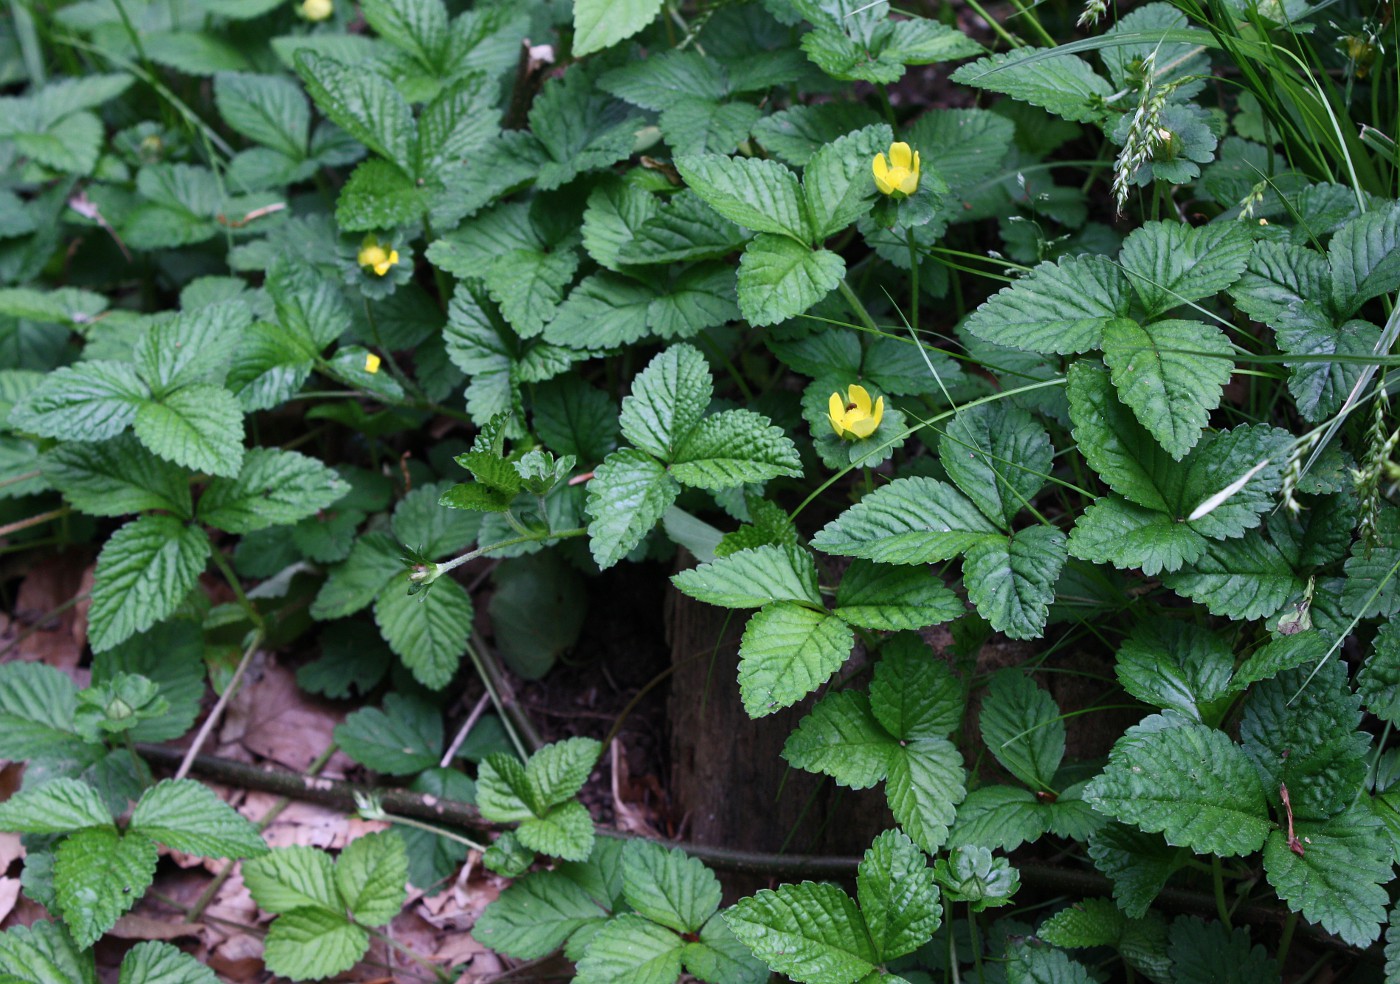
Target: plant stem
953	974
192	753
249	609
16	479
913	282
1286	940
24	524
857	308
464	730
1217	877
527	537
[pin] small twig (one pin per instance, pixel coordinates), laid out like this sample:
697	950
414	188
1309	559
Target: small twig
24	524
465	730
204	729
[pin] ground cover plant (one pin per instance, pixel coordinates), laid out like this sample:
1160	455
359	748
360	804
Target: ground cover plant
1013	382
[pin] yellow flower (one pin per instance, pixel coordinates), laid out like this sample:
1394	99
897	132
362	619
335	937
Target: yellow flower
371	362
854	417
316	10
898	175
374	256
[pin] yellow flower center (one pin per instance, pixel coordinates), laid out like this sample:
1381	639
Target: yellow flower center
317	10
854	416
371	363
375	257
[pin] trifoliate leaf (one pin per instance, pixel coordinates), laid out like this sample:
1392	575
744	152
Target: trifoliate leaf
198	426
534	916
565	831
1191	783
998	456
971	874
116	477
734	447
144	572
761	195
371	874
187	816
787	652
668	399
1012	579
1171	263
274	488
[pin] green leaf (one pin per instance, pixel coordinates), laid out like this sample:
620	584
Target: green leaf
810	931
179	208
572	417
1339	879
268	109
534	916
198	426
428	630
600	24
626	498
780	278
1239	579
115	478
1058	308
685	229
402	739
564	831
667	78
1378	681
289	879
1171	373
631	949
1364	256
668	887
187	816
528	284
796	133
924	787
668	399
98	874
1211	953
1191	783
882	597
1023	729
841	738
752	578
1029	964
144	572
580	128
371	874
912	695
558	770
192	347
898	897
998	456
734	447
421	523
36	713
1321	387
363	103
837	184
787	652
1171	263
762	195
161	963
1064	84
92	401
170	655
615	210
59	806
909	521
378	195
1282	654
274	488
44	954
460	121
1012	580
373	560
310	944
1137	863
1118	532
1372	587
1171	664
719	957
697	125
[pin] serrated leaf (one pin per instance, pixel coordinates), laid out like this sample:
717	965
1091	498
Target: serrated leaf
115	478
59	806
371	874
572	417
1002	817
787	652
402	739
98	875
762	195
889	598
198	426
925	784
630	948
1212	953
1192	784
912	694
93	401
615	210
780	278
698	126
734	447
600	24
1281	654
289	879
668	887
44	954
1066	85
268	109
1023	729
1137	863
36	713
534	916
273	488
1118	532
898	897
144	572
363	103
909	521
627	496
666	78
1011	580
836	182
841	738
810	931
1364	256
1030	964
719	958
1174	665
971	874
528	284
161	963
752	578
685	229
1058	308
187	816
1240	579
1339	879
311	944
374	559
565	831
428	630
998	456
558	770
1171	263
1378	681
1373	583
668	399
1171	373
378	195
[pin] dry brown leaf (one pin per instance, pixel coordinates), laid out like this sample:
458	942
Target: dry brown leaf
271	718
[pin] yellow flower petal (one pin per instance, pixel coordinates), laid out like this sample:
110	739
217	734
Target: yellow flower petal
882	169
859	398
864	427
879	413
316	10
371	362
900	155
